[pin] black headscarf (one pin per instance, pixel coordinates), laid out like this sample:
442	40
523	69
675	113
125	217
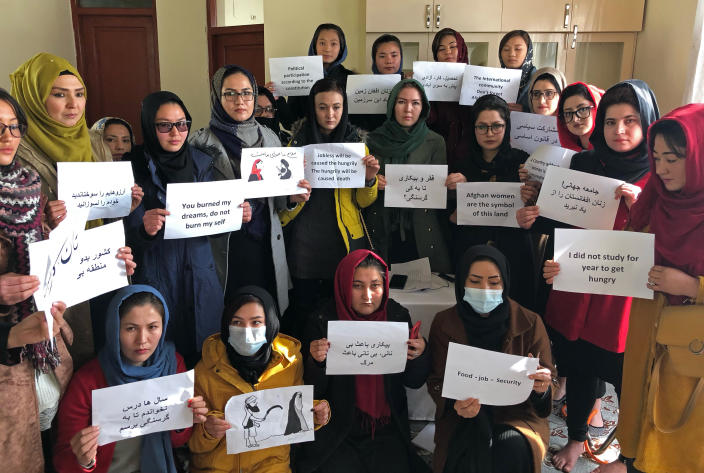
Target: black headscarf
250	368
483	332
174	166
339	134
271	123
527	68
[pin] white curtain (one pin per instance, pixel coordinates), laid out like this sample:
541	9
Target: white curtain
695	88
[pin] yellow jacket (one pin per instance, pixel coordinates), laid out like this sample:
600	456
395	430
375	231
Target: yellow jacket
217	381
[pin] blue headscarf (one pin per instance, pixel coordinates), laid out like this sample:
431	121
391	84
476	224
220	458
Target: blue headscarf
343	46
156	454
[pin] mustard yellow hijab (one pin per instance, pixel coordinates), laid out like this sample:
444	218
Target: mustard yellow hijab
31	85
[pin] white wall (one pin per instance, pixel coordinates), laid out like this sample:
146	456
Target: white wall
240	12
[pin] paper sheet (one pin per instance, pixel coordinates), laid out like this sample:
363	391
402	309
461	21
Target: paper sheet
426	437
480	80
544	156
369	93
419	186
271	172
335	165
530	130
488	203
358	347
294	76
418	273
103	188
442	81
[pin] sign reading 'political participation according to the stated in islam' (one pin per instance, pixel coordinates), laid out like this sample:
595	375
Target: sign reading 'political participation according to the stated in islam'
442	81
604	262
480	80
294	76
488	203
530	130
335	165
369	93
420	186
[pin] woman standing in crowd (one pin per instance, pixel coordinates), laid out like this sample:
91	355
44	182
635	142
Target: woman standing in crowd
402	235
259	245
247	354
516	52
329	225
575	115
266	114
117	134
544	89
491	159
470	437
369	432
655	425
135	350
589	326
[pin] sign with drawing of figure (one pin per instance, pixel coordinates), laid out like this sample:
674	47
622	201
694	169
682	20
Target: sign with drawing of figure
269	172
269	418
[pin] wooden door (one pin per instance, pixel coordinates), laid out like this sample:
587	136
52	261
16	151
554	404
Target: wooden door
118	57
536	15
241	45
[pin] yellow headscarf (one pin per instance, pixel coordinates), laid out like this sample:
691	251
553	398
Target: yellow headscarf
31	85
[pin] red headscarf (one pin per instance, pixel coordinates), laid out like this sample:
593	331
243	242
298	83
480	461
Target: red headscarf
567	139
462	55
369	389
677	218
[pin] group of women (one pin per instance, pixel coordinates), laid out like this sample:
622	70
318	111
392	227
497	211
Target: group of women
221	303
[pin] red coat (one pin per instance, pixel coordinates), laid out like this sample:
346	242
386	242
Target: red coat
595	318
75	414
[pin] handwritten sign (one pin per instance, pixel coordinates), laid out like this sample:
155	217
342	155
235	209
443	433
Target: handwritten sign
495	378
358	347
480	80
103	188
369	93
442	81
269	418
416	186
544	156
74	265
604	262
272	171
579	198
143	407
203	208
530	130
294	76
335	165
488	203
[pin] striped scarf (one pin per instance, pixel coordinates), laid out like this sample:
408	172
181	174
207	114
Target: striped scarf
21	222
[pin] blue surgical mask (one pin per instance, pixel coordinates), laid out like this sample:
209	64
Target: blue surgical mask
483	301
247	340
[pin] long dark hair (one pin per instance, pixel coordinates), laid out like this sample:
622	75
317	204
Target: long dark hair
672	133
19	113
326	84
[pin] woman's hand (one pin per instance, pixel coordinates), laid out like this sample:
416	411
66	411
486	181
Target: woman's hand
453	217
216	427
319	349
270	86
137	196
416	347
298	198
85	444
523	173
321	412
380	182
672	281
125	254
550	270
34	329
454	179
372	167
246	212
199	408
16	288
515	107
526	216
55	212
468	408
629	192
529	192
154	220
542	378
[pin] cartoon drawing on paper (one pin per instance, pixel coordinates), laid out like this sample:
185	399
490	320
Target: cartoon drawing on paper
251	421
296	422
284	171
256	173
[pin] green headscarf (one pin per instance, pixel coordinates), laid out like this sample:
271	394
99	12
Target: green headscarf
392	143
31	85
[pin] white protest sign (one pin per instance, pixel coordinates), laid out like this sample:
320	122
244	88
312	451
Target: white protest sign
76	265
203	208
442	81
335	165
103	188
369	93
272	171
294	76
495	378
579	198
358	347
143	407
488	203
604	262
269	418
544	156
419	186
530	130
480	80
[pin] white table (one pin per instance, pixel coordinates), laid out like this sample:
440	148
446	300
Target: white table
423	305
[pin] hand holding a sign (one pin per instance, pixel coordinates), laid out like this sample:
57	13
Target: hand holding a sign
530	191
321	412
672	281
454	179
319	349
125	254
381	182
199	408
372	167
16	288
85	445
416	347
526	216
34	328
298	198
468	408
137	196
216	427
542	378
154	220
55	212
629	192
550	270
246	211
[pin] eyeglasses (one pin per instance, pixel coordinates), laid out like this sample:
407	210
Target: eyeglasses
259	111
538	94
165	127
231	95
495	128
16	129
583	112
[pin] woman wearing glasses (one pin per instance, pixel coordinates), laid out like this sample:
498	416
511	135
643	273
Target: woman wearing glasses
267	113
575	118
545	87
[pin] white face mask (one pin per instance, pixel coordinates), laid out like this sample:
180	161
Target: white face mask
483	301
247	340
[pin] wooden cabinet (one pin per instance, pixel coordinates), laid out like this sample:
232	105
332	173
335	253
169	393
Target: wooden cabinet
536	15
406	16
468	15
608	15
399	16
